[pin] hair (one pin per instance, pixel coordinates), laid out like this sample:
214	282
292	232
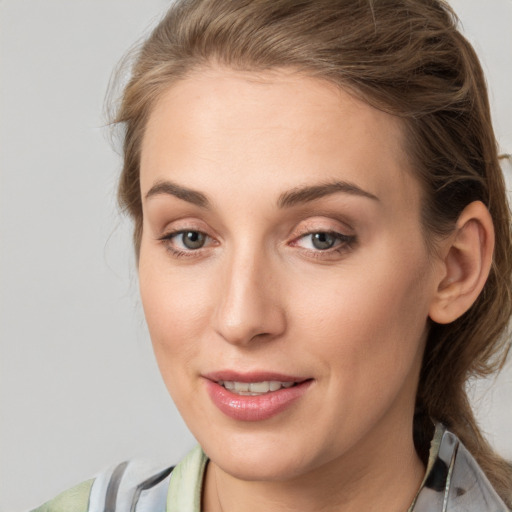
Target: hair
404	57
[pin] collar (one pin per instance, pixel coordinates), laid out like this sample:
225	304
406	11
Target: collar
187	482
453	481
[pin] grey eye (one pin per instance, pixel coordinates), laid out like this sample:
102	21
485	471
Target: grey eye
323	241
193	239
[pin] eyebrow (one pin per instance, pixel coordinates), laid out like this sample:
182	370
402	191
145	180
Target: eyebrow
183	193
310	193
286	200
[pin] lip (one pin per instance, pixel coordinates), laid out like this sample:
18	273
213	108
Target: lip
254	408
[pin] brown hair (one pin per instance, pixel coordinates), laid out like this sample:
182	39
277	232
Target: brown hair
404	57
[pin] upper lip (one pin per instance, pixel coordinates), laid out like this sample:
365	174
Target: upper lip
253	376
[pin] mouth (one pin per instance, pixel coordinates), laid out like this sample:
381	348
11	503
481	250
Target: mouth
255	396
255	388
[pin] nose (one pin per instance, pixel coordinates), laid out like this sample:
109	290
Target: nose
248	308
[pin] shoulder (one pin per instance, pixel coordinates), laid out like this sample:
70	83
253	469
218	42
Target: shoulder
122	488
75	499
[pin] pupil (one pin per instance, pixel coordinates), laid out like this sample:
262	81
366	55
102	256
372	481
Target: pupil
323	240
193	239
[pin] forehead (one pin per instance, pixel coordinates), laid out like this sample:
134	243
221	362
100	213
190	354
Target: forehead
267	125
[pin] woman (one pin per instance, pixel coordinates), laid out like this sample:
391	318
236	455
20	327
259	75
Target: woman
323	243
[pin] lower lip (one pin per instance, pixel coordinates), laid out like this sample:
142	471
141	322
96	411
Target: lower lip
254	408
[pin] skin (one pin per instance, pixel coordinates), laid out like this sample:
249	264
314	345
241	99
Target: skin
259	296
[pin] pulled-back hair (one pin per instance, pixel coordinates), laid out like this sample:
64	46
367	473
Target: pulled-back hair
404	57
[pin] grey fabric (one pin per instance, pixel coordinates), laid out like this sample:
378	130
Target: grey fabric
113	487
132	486
455	482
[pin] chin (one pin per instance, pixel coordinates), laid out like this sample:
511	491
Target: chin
258	457
268	469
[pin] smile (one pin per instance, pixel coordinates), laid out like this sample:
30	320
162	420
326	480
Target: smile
254	397
255	388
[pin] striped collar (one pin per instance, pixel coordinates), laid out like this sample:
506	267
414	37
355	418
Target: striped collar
187	482
453	481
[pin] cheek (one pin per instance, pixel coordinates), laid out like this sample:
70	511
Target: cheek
366	334
175	310
370	320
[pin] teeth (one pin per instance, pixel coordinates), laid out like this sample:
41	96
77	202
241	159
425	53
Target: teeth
274	385
241	386
259	387
255	388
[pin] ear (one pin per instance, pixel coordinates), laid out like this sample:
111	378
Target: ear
466	261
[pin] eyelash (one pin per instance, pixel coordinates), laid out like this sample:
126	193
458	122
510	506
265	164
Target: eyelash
345	243
181	253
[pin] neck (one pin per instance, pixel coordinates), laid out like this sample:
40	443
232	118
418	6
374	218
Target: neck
382	474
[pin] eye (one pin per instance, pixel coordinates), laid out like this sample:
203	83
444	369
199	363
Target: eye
186	240
192	239
324	240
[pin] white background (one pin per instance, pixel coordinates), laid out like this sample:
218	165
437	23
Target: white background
79	388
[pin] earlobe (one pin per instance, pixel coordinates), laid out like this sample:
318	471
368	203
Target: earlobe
466	262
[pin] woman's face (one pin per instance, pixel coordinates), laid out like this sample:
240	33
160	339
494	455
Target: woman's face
283	270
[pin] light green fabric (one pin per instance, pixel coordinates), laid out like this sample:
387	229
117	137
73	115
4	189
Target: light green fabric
187	482
75	499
